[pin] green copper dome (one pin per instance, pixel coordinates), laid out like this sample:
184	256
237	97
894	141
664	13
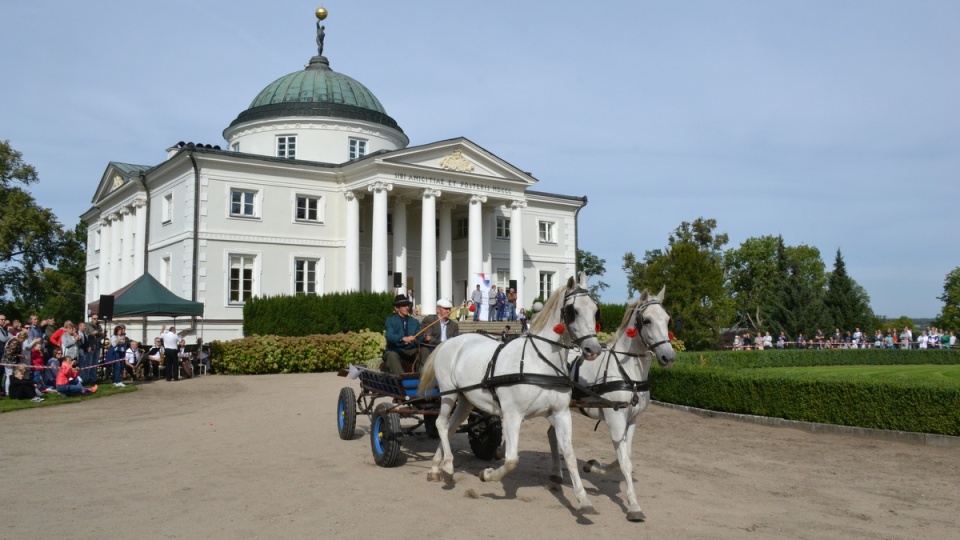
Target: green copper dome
317	91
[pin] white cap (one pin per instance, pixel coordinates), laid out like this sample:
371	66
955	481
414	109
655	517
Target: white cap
444	303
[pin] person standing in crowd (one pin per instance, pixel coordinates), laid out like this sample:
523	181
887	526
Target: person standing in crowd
413	301
402	348
439	327
84	348
511	305
477	298
492	304
68	340
117	352
95	334
501	304
171	341
13	354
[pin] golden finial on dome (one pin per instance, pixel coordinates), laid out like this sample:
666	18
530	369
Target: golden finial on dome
321	13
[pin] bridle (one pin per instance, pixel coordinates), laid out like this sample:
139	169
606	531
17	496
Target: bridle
638	323
568	315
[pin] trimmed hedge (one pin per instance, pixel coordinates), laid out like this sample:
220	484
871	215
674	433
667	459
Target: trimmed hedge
725	381
256	355
304	315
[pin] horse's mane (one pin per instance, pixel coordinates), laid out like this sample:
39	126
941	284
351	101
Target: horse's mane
553	304
627	314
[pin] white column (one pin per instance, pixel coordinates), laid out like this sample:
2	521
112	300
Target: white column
105	246
139	247
351	265
126	261
445	251
400	237
475	237
378	249
115	250
428	252
516	248
489	223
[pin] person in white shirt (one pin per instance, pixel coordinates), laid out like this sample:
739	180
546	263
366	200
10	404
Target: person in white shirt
131	359
171	344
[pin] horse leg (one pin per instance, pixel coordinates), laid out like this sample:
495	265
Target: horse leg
626	465
556	473
443	429
510	422
564	426
460	413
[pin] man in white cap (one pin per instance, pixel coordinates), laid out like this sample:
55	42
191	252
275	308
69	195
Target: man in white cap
441	328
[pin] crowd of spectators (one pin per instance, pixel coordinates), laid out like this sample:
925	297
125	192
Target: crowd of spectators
930	338
40	357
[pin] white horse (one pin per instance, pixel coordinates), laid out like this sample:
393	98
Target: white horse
524	378
619	375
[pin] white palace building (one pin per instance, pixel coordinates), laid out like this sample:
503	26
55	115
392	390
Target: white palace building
319	192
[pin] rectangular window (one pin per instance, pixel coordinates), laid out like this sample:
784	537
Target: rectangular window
546	284
166	209
287	147
305	276
165	271
389	223
547	232
308	209
96	240
463	228
503	279
503	228
243	203
241	278
358	148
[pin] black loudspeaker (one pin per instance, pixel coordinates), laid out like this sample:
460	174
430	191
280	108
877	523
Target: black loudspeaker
106	307
513	284
398	280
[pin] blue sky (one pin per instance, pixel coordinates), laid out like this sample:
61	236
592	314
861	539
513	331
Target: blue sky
835	124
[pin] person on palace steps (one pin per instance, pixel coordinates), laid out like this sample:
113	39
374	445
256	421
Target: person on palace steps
402	342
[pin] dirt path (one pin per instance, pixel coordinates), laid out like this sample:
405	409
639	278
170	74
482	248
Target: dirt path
259	457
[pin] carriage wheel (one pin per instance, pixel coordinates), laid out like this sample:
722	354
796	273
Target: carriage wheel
346	413
485	436
385	436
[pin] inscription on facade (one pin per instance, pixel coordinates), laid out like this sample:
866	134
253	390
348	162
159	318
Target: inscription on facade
447	182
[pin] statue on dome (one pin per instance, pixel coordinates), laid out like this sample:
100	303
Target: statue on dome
320	36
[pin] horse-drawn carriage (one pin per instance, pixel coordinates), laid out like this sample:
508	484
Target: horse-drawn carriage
388	399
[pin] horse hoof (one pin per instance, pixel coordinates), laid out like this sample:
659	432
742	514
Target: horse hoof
484	474
591	465
636	516
588	510
433	477
556	479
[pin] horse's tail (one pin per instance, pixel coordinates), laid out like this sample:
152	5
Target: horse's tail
427	374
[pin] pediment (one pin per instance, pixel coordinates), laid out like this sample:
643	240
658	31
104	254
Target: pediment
115	177
462	157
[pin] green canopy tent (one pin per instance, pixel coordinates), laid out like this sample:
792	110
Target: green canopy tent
145	296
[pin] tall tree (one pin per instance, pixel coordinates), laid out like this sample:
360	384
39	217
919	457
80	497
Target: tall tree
691	269
31	239
756	277
846	301
949	316
593	266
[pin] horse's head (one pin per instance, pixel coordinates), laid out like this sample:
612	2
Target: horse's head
649	320
579	314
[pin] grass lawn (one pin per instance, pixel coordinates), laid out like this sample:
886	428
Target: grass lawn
939	375
52	398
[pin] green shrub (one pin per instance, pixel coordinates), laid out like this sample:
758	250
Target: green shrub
730	381
304	315
254	355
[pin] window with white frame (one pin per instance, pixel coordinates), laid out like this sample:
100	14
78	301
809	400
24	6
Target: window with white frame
165	271
287	146
241	281
503	227
243	203
546	284
358	148
547	232
166	208
305	276
503	279
463	228
309	209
